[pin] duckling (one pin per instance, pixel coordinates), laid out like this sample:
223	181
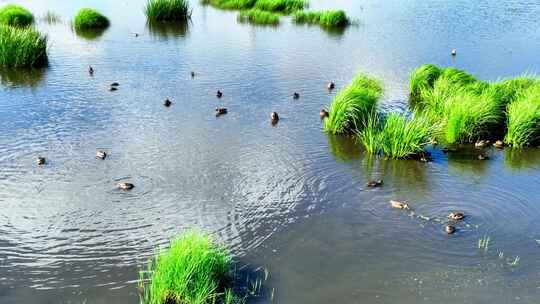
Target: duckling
115	84
101	154
374	183
90	70
221	111
125	186
399	205
167	103
498	144
219	94
323	114
192	74
454	52
296	95
331	86
483	157
112	89
40	161
449	229
481	143
274	117
456	216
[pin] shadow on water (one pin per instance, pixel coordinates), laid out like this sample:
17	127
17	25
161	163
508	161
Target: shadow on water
12	77
344	148
407	174
519	159
168	30
464	160
90	34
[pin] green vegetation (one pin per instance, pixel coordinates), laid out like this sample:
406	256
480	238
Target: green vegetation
22	47
277	6
192	271
52	18
353	105
15	15
524	119
231	4
329	18
167	10
87	19
257	16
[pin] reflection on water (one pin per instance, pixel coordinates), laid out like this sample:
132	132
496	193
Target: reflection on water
22	77
167	30
344	148
522	159
90	34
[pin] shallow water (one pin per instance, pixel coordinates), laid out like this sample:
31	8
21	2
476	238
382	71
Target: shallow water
288	197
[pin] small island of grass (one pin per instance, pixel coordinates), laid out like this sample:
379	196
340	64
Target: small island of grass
256	16
90	19
15	15
328	18
167	10
22	47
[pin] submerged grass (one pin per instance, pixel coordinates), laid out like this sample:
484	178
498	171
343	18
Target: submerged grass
167	10
328	18
88	19
15	15
192	271
257	16
351	108
22	47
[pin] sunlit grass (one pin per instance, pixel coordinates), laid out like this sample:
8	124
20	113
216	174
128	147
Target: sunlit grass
15	15
231	4
88	18
524	119
22	47
281	6
328	18
256	16
167	10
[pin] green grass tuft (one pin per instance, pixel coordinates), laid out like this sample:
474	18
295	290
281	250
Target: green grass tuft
167	10
22	47
192	271
231	4
353	105
257	16
524	119
281	6
88	19
15	15
328	18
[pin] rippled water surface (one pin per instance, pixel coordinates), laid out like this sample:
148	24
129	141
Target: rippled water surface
285	197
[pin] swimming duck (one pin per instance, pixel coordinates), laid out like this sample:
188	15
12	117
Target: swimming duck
219	94
167	102
481	143
40	161
483	157
112	89
101	154
274	117
296	95
192	74
136	34
323	114
90	70
399	205
115	84
221	111
331	85
456	216
374	183
454	52
498	144
125	186
449	229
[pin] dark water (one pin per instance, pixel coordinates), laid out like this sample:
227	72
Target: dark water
288	198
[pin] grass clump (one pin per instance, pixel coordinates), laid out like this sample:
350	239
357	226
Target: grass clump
281	6
22	47
167	10
328	18
88	19
192	271
231	4
256	16
15	15
353	105
524	119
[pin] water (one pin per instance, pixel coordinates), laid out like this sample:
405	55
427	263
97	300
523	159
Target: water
288	198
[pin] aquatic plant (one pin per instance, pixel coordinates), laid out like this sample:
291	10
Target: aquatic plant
22	47
88	18
257	16
194	270
52	18
281	6
328	18
15	15
483	243
524	119
231	4
167	10
353	105
422	80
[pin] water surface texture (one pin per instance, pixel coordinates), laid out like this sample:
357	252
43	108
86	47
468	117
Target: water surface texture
285	197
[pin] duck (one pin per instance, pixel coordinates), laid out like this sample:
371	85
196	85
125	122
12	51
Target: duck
90	70
167	103
498	144
125	186
221	111
456	216
483	157
323	114
219	94
40	161
115	84
136	34
112	89
331	86
449	229
192	74
399	205
296	95
374	183
274	117
453	52
481	143
101	154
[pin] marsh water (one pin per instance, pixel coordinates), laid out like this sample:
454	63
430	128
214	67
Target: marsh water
287	198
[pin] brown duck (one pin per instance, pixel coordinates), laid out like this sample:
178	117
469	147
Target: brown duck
374	183
323	114
221	111
449	229
40	161
125	186
399	205
274	117
101	154
456	216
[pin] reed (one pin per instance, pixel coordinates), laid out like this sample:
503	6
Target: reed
328	18
167	10
523	119
22	47
256	16
15	15
88	19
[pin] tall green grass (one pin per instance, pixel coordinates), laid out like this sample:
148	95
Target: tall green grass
88	18
22	47
257	16
167	10
15	15
353	105
524	119
194	270
328	18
